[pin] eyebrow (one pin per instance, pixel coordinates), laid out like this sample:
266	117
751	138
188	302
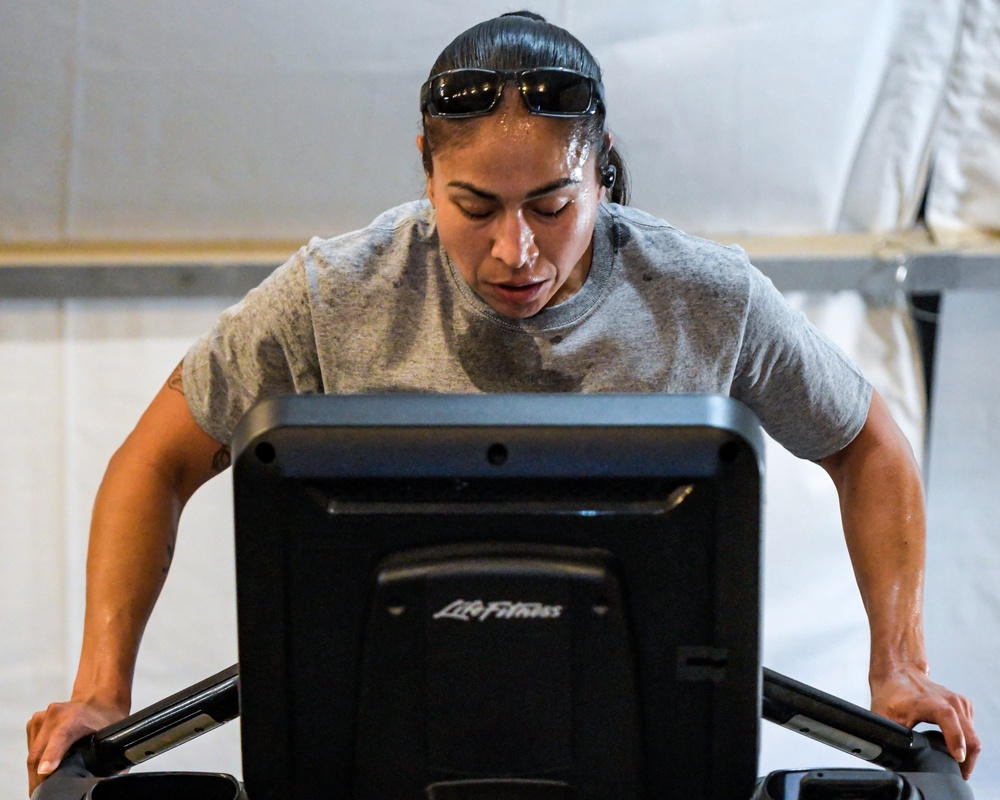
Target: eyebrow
541	190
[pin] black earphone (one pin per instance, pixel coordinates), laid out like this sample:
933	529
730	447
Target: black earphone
608	176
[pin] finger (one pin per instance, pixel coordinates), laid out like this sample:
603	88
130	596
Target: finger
969	764
31	729
36	743
55	747
54	751
963	711
973	746
954	735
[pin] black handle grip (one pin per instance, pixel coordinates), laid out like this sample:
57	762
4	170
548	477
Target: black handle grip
851	728
172	721
787	702
930	754
71	780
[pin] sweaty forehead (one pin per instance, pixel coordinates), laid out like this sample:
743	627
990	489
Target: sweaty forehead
512	132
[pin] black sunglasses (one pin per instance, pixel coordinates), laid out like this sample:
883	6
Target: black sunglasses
548	91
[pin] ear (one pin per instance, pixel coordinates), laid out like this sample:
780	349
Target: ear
602	191
427	175
609	142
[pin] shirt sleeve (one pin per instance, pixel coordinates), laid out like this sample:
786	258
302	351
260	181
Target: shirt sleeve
808	395
262	347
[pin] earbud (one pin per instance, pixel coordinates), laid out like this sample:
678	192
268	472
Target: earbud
609	175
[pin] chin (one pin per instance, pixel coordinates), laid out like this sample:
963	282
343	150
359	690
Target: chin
518	312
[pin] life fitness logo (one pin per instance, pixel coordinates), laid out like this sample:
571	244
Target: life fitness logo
469	610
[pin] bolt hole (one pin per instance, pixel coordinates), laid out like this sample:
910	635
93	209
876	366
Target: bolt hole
496	454
265	452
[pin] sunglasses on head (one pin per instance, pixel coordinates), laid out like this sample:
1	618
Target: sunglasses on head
547	91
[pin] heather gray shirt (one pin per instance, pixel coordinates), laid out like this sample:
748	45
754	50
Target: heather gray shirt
384	310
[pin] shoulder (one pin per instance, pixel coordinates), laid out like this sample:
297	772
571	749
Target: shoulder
637	234
395	233
653	246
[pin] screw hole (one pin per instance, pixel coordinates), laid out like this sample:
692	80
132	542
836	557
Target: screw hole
496	454
265	452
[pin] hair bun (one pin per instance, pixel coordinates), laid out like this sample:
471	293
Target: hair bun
527	14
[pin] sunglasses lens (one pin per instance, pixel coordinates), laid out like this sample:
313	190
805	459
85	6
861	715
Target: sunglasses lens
551	91
468	91
546	90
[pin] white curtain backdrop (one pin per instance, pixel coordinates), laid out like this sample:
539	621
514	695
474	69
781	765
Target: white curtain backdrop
189	120
965	190
266	120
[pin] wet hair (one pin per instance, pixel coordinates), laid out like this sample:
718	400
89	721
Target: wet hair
522	40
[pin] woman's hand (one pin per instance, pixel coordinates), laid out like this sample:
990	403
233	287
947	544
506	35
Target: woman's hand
909	696
51	732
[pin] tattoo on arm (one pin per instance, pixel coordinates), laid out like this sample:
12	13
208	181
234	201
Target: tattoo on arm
221	459
176	379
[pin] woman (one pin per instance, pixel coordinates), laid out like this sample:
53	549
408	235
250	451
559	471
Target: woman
515	274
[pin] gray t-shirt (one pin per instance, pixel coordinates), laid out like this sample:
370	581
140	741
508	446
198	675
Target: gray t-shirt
384	310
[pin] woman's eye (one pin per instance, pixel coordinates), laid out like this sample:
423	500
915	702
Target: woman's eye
551	211
474	212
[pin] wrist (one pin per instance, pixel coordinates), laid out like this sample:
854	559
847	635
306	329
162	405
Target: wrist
888	666
897	644
109	688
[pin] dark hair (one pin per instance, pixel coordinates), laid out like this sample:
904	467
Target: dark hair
520	40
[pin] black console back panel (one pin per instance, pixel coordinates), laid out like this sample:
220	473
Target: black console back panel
442	594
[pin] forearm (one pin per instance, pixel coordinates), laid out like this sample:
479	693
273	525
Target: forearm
882	506
148	481
133	530
132	536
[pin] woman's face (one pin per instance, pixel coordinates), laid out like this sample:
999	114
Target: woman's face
516	202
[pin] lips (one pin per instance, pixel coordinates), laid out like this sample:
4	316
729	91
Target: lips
518	293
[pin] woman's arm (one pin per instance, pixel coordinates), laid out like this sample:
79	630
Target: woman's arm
133	529
882	505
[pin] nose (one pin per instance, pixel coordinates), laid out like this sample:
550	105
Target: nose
514	241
